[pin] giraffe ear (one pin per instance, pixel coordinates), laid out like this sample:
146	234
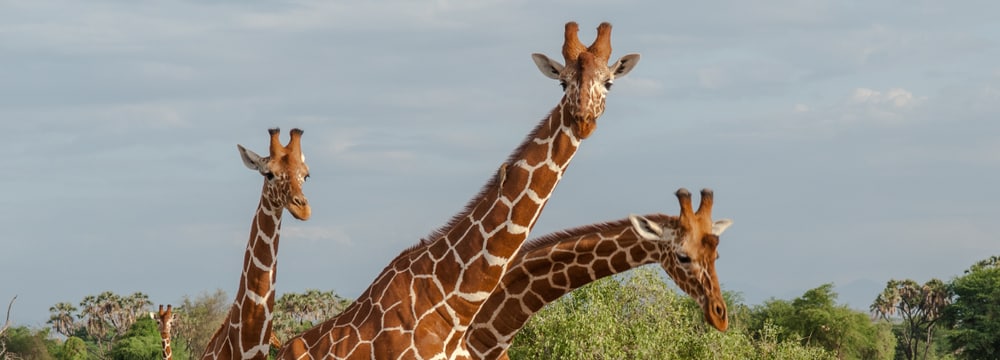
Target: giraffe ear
645	228
624	65
720	226
251	160
548	67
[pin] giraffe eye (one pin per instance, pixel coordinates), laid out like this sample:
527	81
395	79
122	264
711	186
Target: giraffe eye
607	84
683	259
563	84
305	177
269	175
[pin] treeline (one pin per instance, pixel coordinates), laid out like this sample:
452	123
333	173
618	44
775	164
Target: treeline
110	326
635	316
638	317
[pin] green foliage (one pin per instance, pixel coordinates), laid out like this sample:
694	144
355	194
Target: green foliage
640	317
974	317
21	342
883	343
72	349
141	342
815	319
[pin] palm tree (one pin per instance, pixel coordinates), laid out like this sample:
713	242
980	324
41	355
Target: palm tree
918	306
131	308
61	318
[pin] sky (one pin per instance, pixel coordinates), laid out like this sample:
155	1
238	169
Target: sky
851	142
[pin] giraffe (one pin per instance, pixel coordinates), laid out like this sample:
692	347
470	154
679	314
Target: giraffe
164	321
422	303
246	332
553	265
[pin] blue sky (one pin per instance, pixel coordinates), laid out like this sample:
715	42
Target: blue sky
851	141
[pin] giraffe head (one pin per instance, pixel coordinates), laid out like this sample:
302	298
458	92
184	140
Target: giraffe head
164	320
690	252
586	77
284	171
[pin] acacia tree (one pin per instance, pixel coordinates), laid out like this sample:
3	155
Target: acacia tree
975	315
919	307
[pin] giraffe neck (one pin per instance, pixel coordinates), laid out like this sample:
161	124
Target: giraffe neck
483	238
551	267
246	332
424	300
167	353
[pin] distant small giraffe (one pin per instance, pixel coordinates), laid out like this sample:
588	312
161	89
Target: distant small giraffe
164	320
246	333
554	265
421	304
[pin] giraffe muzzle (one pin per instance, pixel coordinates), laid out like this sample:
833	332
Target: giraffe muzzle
715	314
299	208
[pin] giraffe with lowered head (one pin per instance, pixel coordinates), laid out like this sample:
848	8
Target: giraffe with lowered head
246	331
422	303
553	265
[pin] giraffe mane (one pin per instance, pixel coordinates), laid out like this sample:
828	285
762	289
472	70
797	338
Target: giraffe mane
549	239
486	191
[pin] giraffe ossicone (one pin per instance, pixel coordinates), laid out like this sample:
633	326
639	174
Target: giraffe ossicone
421	304
246	332
551	266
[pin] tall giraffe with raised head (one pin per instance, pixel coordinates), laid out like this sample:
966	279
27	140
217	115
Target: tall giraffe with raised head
552	266
421	304
164	321
246	332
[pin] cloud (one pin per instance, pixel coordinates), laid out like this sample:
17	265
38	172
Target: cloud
889	108
895	97
862	107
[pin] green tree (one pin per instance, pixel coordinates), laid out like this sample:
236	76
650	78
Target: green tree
72	349
814	319
918	307
974	317
141	342
23	343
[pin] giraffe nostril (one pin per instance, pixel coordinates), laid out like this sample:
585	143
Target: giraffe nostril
719	310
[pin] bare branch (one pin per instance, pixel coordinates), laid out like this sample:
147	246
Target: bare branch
6	323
